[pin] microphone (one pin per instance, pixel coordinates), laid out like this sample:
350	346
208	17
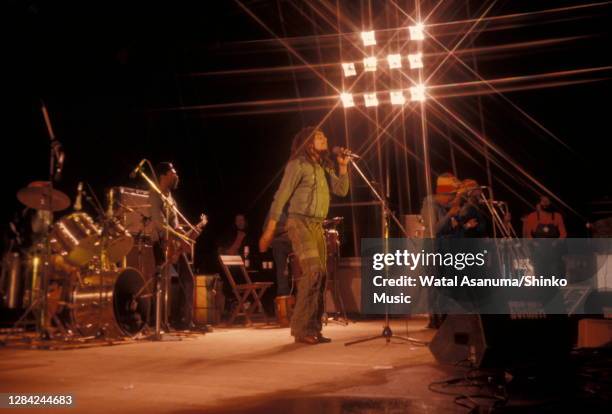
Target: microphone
133	173
344	153
78	200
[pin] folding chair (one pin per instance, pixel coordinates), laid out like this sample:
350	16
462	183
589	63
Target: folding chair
242	291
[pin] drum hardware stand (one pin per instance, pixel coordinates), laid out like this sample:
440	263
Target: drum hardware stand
386	333
56	166
104	264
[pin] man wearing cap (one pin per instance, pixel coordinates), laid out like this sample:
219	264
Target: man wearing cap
440	209
439	213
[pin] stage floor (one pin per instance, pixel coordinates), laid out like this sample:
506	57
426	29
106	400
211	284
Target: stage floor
257	370
238	370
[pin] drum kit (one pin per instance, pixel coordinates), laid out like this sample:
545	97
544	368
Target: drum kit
71	281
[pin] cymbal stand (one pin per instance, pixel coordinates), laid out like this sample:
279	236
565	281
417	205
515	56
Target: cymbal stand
56	166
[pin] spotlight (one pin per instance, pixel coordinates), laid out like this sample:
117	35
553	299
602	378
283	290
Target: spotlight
368	38
370	99
349	69
417	93
416	60
397	98
347	99
416	32
395	61
370	64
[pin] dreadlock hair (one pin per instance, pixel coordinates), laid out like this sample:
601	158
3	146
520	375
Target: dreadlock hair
302	142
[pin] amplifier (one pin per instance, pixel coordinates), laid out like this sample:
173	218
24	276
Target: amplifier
131	206
502	341
348	284
209	300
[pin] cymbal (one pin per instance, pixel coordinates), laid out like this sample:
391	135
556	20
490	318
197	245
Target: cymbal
333	221
36	196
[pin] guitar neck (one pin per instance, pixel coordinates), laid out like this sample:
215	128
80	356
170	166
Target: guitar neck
196	230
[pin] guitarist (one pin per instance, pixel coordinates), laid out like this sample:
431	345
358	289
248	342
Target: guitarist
181	286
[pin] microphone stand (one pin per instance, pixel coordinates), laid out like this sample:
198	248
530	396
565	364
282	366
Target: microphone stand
56	161
387	214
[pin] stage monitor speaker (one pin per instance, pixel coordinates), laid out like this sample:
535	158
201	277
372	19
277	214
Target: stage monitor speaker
501	341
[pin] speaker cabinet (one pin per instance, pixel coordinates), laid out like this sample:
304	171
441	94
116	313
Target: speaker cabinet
208	300
347	284
501	341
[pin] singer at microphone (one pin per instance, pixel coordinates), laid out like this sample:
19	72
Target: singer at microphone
345	152
304	193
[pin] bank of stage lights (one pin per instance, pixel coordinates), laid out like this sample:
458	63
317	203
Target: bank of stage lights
397	97
394	61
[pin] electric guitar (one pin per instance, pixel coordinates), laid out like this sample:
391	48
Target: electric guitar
178	246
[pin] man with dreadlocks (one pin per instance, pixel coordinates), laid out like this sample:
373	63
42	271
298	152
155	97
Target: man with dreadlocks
309	176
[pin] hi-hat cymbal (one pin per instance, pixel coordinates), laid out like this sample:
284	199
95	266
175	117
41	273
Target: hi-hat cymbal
39	195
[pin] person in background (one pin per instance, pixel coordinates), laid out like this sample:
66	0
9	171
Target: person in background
281	249
471	216
439	210
164	215
439	213
544	222
234	240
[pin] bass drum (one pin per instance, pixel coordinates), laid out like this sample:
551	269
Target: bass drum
110	304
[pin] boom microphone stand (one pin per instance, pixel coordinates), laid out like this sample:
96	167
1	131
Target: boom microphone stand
56	165
387	333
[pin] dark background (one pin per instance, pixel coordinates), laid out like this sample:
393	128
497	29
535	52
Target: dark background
109	71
